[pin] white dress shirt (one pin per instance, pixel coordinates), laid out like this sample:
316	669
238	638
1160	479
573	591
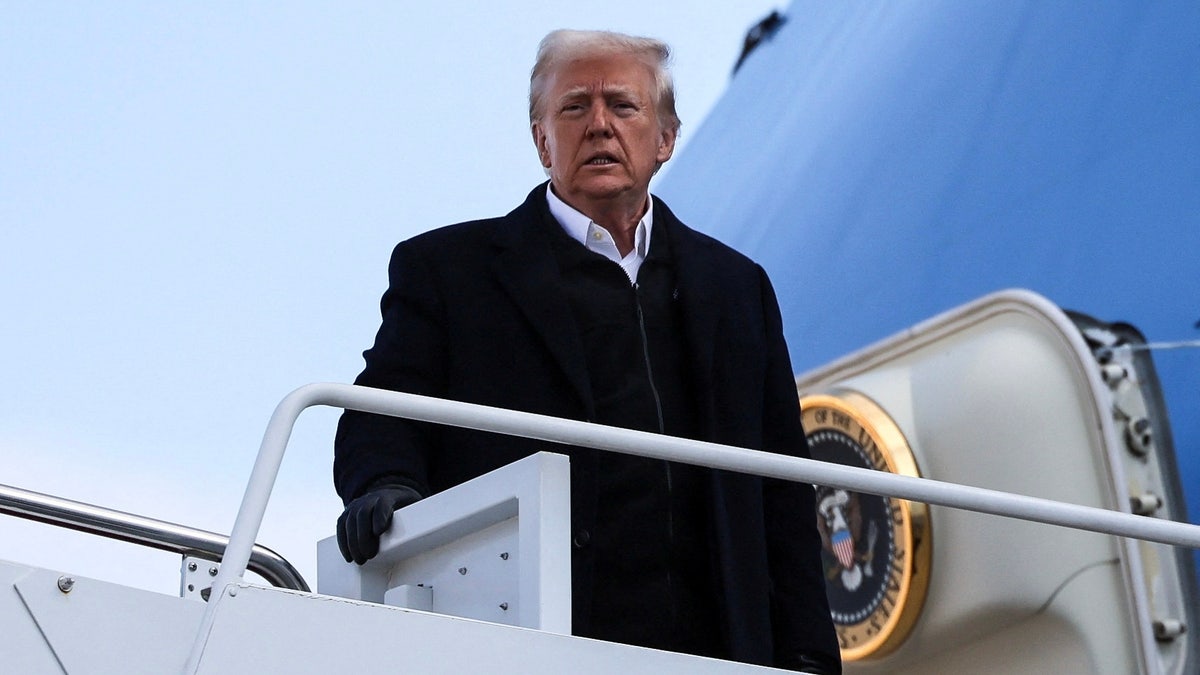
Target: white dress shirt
596	238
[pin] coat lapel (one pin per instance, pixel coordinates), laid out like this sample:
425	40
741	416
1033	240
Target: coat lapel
697	282
526	268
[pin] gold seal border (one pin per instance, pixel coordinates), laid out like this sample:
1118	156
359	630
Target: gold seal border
915	534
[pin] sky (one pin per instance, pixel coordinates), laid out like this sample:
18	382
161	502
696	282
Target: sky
197	205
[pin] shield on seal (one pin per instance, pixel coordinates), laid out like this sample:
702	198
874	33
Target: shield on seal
843	547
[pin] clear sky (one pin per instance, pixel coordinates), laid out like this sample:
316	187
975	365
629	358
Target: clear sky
197	204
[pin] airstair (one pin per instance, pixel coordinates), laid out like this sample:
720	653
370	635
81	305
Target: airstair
1033	525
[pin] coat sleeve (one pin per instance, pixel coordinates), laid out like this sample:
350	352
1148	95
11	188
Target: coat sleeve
409	356
800	615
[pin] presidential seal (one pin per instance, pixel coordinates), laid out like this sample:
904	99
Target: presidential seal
877	550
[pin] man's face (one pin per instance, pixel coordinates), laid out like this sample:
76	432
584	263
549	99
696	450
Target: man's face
598	132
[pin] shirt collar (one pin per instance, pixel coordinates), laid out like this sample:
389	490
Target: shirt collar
578	226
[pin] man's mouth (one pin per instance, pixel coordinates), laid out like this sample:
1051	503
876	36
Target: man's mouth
601	160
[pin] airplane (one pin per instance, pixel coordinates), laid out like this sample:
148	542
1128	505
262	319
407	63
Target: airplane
898	169
887	163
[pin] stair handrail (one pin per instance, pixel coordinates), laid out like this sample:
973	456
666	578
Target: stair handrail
143	531
643	444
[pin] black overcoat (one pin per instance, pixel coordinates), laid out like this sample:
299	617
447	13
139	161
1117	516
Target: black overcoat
474	312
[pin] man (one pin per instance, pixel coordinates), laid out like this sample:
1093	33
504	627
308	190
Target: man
591	301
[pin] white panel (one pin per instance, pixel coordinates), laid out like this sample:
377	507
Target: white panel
413	597
322	634
998	395
106	629
22	647
495	548
1059	639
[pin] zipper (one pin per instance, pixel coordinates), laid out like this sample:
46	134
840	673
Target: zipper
637	303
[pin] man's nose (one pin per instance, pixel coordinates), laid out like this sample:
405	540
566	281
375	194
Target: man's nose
598	122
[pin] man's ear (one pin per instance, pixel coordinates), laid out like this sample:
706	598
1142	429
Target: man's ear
666	145
541	143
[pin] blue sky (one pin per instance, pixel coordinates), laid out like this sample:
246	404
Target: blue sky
197	203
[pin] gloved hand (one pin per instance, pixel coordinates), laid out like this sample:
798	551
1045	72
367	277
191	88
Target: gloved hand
368	517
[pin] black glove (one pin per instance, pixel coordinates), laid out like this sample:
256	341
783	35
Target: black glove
365	518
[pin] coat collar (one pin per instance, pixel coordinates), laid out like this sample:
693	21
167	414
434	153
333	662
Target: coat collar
525	266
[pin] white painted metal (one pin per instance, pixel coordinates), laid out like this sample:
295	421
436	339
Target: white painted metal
196	575
95	628
1003	393
1058	637
583	434
335	635
22	645
99	628
495	548
411	597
